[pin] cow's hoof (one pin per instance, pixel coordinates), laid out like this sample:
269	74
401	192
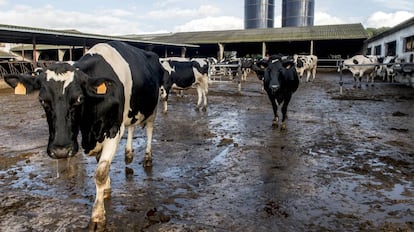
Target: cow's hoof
97	225
129	156
107	193
204	109
275	125
283	127
147	162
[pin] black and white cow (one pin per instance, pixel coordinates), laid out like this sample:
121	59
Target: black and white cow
246	66
386	69
308	63
280	81
361	65
112	87
183	75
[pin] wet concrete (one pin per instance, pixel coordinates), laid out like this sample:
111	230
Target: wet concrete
344	164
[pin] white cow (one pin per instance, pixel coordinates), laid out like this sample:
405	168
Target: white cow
360	65
307	63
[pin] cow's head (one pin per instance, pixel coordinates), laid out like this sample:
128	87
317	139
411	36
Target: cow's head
279	70
62	93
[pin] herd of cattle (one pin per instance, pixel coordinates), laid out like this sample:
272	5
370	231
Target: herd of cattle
115	86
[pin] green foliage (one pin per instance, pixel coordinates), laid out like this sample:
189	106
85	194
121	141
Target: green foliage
375	31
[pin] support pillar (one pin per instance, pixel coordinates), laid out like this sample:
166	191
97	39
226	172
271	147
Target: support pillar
311	47
264	49
61	54
34	55
221	52
183	51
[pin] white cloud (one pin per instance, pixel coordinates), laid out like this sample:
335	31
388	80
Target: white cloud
110	22
176	12
323	18
382	19
212	24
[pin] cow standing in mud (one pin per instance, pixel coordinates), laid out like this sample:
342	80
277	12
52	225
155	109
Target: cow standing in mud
361	65
183	75
280	81
306	64
112	87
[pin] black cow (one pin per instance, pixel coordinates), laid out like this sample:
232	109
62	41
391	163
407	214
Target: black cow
113	86
280	81
183	75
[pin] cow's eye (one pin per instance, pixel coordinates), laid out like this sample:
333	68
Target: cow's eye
77	100
44	102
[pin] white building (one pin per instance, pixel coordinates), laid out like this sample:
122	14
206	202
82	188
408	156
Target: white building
397	41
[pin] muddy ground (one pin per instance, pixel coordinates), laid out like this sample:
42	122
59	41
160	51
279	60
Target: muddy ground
346	163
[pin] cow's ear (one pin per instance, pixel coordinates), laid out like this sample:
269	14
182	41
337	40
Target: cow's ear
23	84
99	87
288	64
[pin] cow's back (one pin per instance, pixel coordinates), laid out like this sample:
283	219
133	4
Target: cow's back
139	72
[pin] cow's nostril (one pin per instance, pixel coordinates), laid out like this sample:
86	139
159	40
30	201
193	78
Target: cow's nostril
60	152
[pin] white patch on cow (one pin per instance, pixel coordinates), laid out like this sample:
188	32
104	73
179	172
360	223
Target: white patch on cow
166	65
201	61
122	70
66	78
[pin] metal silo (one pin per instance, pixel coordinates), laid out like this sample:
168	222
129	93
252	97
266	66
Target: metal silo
259	13
298	13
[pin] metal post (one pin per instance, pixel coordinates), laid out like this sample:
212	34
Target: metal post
341	82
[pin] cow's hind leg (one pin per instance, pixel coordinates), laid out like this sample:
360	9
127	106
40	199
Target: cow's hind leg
148	150
200	97
129	150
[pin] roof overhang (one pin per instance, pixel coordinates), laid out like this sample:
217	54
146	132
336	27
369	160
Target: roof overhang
30	35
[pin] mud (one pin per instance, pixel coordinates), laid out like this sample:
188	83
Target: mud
346	163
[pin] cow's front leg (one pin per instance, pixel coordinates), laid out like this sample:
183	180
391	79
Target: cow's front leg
148	150
164	98
313	73
103	182
308	73
284	111
129	150
275	122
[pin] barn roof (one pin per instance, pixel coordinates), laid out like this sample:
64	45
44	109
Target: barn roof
325	32
27	35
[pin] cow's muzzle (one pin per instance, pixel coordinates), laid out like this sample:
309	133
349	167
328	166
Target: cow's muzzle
274	88
61	152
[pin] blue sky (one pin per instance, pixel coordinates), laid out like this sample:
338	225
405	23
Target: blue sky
164	16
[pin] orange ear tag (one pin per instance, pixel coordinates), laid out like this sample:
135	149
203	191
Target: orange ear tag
101	89
20	89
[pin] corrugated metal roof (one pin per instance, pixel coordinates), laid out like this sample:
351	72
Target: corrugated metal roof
326	32
21	34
